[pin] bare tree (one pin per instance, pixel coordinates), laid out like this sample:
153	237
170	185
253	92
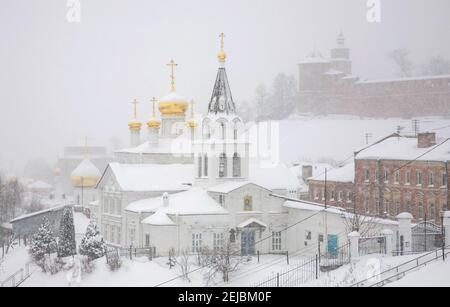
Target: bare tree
184	262
401	59
436	65
367	225
223	261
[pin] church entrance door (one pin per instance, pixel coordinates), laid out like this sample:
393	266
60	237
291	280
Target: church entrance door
248	241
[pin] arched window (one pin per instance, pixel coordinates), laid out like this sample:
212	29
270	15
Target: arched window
223	165
200	166
236	165
206	130
222	131
248	203
205	166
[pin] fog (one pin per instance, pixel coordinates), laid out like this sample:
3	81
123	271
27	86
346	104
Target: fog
61	81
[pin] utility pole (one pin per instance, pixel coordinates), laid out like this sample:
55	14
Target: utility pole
416	126
325	215
367	136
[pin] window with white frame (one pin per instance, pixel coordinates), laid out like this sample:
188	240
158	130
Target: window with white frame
349	196
386	175
332	195
196	242
408	177
218	241
431	179
397	177
340	195
366	175
418	178
276	240
443	180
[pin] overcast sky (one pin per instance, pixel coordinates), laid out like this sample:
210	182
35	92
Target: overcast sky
60	81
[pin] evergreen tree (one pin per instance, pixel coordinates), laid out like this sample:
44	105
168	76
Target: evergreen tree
66	244
43	242
92	244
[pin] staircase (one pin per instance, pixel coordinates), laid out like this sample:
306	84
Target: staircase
397	272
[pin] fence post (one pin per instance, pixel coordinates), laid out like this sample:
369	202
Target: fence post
388	235
353	238
287	257
317	266
446	225
404	229
278	280
258	255
131	252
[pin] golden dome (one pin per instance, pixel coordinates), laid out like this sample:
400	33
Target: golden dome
173	104
154	123
192	123
222	56
134	124
85	175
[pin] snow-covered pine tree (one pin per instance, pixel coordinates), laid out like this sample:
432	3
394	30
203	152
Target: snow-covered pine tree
66	243
92	244
43	242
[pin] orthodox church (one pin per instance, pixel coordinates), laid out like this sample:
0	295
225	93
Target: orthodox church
193	183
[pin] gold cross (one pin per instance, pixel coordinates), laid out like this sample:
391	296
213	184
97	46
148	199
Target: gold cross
192	108
172	64
153	100
221	40
135	102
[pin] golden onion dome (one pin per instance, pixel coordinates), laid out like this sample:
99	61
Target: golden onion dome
222	56
173	104
191	123
86	175
154	123
134	124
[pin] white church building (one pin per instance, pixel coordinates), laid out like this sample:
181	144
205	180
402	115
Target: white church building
194	183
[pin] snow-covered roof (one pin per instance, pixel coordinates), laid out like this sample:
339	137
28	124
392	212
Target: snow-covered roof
251	221
310	206
317	170
173	97
333	72
273	177
404	148
171	146
345	173
159	218
86	169
153	177
314	57
39	185
25	216
195	201
405	79
229	186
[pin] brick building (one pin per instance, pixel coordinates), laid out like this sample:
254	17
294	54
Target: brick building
396	174
403	174
327	86
338	189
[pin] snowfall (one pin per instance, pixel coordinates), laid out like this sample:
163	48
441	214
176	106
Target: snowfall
301	139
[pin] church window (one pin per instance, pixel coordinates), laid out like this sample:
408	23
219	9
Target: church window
222	199
222	131
218	241
276	240
147	240
223	165
205	165
248	203
196	242
199	166
236	165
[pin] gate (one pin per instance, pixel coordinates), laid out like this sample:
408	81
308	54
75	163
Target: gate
426	236
372	245
248	241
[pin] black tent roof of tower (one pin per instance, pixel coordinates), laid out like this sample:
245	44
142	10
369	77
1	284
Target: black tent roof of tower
221	100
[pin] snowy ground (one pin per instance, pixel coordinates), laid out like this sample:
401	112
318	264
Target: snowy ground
435	274
337	137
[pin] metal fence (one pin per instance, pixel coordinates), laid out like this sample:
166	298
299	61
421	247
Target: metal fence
426	236
308	269
18	277
113	252
372	245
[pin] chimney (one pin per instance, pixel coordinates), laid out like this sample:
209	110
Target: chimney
426	139
165	199
306	171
